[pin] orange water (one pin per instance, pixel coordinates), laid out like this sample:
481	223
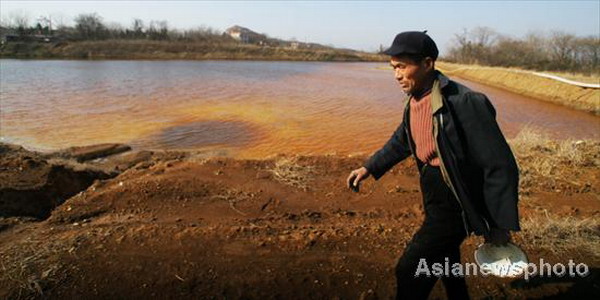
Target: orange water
239	108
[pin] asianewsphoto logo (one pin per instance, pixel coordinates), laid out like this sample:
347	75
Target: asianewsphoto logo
505	270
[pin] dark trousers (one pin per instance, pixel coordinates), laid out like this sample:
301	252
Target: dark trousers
439	237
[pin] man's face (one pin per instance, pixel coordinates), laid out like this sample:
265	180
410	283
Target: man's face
409	74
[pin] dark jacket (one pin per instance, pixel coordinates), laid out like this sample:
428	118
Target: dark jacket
476	161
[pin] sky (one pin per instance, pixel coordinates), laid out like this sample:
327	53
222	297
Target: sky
361	25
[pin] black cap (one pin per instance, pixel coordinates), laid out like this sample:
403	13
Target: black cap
413	42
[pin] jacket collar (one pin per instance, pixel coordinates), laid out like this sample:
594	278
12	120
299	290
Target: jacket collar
436	92
442	78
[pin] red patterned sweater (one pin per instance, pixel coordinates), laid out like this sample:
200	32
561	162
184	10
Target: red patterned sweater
421	128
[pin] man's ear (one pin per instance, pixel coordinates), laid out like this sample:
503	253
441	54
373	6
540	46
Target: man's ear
428	63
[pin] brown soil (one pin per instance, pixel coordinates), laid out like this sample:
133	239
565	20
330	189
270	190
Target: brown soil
179	225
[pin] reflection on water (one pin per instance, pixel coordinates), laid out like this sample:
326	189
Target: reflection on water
248	108
206	133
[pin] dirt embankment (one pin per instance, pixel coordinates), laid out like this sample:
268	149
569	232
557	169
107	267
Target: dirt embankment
525	83
145	49
182	225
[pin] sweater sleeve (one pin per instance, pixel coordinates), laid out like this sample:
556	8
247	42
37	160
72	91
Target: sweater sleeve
489	150
393	151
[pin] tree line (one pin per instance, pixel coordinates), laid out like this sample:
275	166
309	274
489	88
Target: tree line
91	26
553	51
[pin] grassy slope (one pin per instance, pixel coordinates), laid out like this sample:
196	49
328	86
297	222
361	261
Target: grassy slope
585	99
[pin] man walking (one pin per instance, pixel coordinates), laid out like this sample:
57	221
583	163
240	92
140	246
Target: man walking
468	174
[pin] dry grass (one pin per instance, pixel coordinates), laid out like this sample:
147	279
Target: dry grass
565	165
545	89
233	196
554	164
562	235
30	266
288	171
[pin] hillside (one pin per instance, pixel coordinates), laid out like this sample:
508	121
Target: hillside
236	43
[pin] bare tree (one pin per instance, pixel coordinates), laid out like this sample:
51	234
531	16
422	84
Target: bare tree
90	26
60	24
588	53
463	48
5	21
115	30
536	50
59	20
45	24
138	28
483	36
562	46
20	21
158	30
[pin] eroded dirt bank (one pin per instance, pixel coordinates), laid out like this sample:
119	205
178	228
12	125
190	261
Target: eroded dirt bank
181	225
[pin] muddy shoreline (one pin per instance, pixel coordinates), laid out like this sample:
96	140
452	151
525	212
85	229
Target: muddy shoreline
168	224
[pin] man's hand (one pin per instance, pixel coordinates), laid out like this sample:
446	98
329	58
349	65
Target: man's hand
356	176
498	236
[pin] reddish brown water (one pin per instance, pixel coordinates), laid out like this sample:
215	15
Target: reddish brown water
245	109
